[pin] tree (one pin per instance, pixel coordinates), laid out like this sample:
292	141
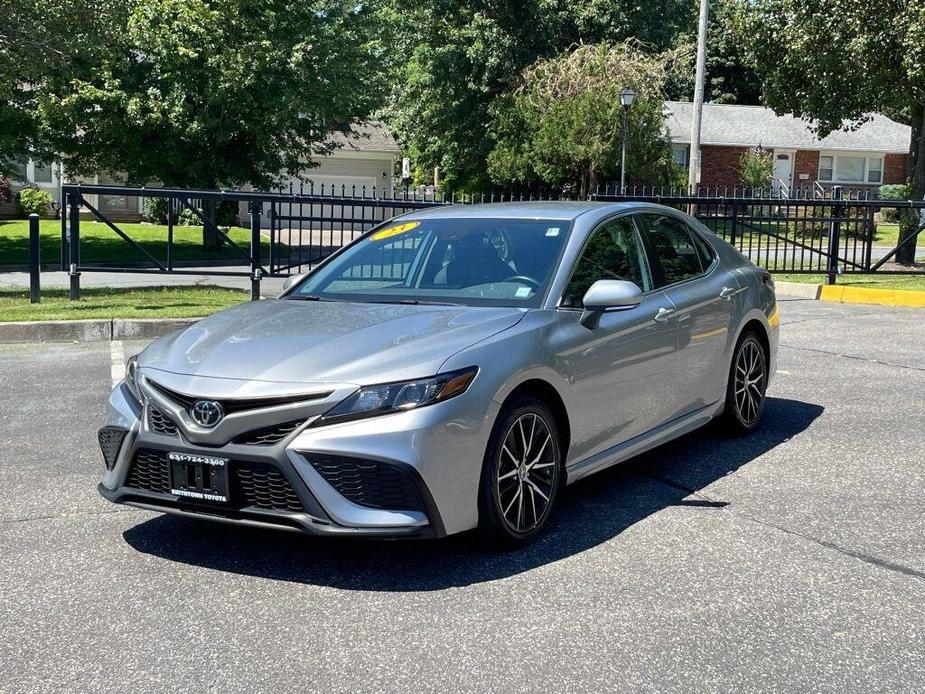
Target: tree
563	125
199	93
453	59
835	63
36	41
755	168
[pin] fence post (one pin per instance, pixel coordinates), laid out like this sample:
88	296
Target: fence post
834	233
256	272
74	246
732	232
64	232
35	292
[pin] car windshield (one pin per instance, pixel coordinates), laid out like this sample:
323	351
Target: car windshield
472	262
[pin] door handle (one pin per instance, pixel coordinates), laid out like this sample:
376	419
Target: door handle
727	293
664	314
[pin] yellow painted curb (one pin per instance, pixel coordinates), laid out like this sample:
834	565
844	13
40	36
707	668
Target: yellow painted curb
865	295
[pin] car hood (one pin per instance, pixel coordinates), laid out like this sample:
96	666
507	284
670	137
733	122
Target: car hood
299	342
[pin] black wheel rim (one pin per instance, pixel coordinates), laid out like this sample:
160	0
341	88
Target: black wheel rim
749	382
527	473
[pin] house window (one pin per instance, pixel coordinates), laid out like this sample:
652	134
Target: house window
844	168
41	173
679	154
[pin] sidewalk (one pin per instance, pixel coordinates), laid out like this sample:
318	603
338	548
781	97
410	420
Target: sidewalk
269	286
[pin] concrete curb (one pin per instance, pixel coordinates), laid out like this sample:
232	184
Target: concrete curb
798	289
868	295
93	330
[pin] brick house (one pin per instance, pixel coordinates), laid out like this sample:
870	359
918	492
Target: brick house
874	154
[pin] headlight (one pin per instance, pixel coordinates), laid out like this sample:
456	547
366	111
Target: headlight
131	378
369	401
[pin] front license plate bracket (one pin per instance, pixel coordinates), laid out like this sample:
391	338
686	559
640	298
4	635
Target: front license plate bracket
198	477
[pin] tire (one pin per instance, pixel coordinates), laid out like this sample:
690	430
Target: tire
512	507
746	386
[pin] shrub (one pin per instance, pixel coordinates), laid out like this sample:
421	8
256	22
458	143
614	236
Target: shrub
155	210
34	200
226	215
755	168
5	193
898	191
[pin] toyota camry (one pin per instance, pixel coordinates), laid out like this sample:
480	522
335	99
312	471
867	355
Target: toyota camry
453	368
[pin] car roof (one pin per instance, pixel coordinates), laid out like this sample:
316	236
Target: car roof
516	210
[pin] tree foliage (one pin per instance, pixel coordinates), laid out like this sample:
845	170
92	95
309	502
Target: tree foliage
836	62
454	59
200	92
563	125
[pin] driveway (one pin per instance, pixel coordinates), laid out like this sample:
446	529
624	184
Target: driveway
792	560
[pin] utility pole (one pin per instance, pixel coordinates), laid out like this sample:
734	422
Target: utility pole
694	165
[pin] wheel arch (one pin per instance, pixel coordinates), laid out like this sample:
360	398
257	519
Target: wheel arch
544	391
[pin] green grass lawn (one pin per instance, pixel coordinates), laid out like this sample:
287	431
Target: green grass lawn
103	302
886	235
100	244
883	280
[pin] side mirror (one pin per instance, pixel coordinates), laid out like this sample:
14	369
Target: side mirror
291	281
608	295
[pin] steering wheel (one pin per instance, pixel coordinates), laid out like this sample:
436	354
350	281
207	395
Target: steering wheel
523	279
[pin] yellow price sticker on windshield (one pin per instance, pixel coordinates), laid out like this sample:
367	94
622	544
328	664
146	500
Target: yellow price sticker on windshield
394	231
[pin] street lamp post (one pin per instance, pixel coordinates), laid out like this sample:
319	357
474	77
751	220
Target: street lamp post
626	100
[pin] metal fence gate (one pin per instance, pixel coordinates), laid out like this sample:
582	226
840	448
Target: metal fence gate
289	231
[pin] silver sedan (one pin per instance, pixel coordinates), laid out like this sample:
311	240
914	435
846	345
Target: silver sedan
452	369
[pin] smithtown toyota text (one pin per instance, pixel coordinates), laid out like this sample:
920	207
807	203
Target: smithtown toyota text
452	368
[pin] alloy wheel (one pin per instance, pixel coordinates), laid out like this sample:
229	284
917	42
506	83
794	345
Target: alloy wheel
527	473
749	382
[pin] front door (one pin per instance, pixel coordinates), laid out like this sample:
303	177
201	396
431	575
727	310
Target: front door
703	296
621	372
782	176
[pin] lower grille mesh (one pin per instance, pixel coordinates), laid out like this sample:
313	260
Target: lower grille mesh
252	484
150	470
370	483
263	486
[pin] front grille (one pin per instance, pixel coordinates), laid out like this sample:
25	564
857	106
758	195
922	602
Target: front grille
111	439
161	423
370	483
150	471
238	404
263	486
269	435
251	484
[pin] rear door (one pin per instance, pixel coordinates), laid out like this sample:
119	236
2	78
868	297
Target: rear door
688	270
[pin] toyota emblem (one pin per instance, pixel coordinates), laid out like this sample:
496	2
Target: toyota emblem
207	413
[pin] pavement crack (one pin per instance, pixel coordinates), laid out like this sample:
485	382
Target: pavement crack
844	551
856	357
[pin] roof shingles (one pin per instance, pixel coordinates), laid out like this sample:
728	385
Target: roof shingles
729	124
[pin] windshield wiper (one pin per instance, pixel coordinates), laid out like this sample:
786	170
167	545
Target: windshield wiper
307	297
415	302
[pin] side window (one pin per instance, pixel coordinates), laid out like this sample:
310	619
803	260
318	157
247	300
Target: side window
673	243
704	250
613	252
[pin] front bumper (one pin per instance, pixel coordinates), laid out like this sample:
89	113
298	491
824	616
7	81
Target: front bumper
437	450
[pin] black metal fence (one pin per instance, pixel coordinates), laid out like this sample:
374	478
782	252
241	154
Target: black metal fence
290	230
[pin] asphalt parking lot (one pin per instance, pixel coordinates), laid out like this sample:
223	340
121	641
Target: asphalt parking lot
789	561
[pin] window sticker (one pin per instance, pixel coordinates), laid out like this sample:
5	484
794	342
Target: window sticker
522	292
394	231
552	231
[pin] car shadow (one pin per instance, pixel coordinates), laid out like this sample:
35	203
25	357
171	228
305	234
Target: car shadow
591	512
